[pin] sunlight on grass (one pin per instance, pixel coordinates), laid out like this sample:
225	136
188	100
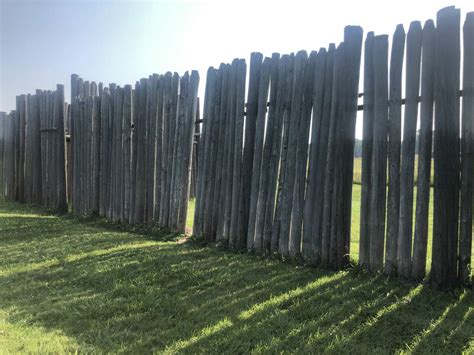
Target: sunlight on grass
85	285
274	301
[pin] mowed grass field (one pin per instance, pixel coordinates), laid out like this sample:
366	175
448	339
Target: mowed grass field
76	285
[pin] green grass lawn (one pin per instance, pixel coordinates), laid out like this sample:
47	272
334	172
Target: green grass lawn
71	285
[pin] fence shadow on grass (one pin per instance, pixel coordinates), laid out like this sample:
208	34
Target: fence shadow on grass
113	290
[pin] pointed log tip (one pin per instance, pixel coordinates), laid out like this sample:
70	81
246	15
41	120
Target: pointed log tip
399	30
469	18
414	26
302	53
429	24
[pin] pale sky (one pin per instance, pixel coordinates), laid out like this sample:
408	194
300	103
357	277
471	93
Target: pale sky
42	42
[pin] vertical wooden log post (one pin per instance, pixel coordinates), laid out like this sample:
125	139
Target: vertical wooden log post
225	177
290	173
250	131
320	181
127	150
414	38
133	163
159	148
104	152
3	118
229	160
258	138
309	245
96	127
190	119
286	113
236	239
180	143
276	100
353	37
467	152
331	152
302	158
21	112
61	151
446	150
379	154
394	138
424	152
217	122
151	154
219	181
165	173
140	129
265	177
367	148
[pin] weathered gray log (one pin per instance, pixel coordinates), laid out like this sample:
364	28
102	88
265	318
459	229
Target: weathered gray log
3	117
96	155
258	142
178	158
298	193
235	235
367	147
345	149
87	88
295	121
165	173
21	159
151	152
159	148
127	150
191	108
412	81
250	131
229	154
173	107
467	152
424	152
329	164
308	247
215	120
225	176
61	153
286	113
276	110
118	156
394	138
265	177
74	86
379	154
93	88
318	202
220	164
133	163
104	152
140	179
446	150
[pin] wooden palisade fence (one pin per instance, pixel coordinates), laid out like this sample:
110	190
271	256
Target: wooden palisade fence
131	149
276	173
34	148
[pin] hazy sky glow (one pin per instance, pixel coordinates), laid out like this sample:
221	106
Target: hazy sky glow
43	42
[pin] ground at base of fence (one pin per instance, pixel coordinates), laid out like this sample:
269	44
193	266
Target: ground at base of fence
68	285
